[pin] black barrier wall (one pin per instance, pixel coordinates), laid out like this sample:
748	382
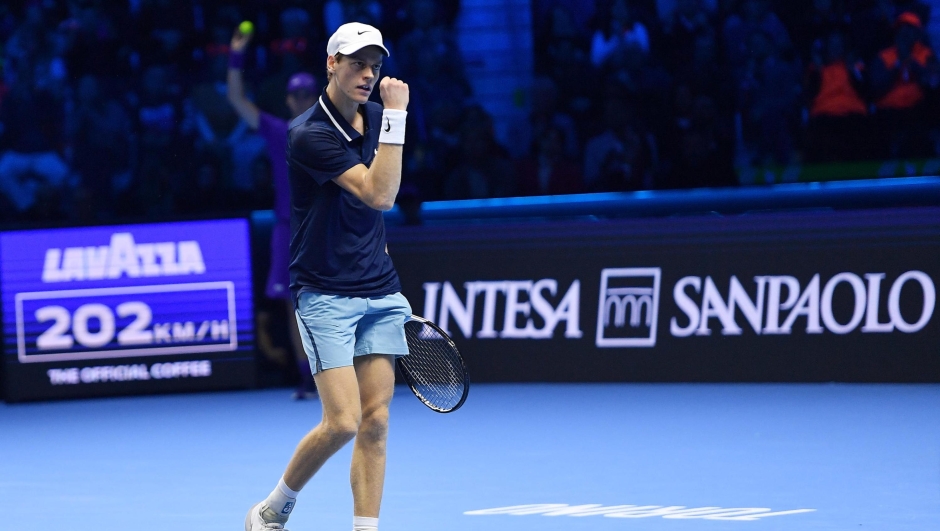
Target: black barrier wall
802	296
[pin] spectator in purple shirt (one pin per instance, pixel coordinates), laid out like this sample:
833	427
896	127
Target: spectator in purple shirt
301	95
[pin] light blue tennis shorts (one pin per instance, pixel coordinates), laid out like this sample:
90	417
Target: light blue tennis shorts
334	329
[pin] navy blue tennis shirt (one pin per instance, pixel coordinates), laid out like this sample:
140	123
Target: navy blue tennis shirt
337	242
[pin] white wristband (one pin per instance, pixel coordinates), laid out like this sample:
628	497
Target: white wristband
393	127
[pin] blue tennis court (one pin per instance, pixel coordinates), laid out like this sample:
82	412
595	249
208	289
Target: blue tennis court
516	457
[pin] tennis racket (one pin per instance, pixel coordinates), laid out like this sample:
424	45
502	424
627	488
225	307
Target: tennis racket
433	368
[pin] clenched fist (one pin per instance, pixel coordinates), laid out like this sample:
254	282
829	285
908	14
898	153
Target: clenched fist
394	93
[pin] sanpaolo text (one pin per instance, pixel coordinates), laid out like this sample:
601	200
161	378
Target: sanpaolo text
780	303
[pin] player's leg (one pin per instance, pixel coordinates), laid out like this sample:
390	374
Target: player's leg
339	395
376	379
342	414
328	325
380	336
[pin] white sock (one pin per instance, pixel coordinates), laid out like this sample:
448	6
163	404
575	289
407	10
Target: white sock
364	523
279	503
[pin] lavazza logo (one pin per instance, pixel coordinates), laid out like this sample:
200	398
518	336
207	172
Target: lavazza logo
123	257
628	309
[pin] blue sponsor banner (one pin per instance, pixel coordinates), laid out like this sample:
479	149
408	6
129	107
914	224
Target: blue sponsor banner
124	309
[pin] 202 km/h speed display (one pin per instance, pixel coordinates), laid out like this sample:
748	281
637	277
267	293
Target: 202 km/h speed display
127	309
113	322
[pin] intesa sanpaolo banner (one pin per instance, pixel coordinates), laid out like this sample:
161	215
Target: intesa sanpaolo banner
801	296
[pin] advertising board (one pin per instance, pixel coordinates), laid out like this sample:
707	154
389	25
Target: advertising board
126	309
798	296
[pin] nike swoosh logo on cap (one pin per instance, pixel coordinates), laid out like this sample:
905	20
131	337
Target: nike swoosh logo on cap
361	32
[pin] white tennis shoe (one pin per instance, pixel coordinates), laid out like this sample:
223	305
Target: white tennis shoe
254	521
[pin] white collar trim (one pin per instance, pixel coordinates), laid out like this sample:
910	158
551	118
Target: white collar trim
335	123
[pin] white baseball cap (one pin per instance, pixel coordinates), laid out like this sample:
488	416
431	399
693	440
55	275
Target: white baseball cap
354	36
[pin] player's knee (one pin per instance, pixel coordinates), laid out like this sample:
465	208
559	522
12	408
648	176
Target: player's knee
344	426
374	425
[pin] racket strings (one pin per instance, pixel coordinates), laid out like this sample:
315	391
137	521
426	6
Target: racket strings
434	366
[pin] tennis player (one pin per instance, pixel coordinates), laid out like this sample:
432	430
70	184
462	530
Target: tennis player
344	159
301	95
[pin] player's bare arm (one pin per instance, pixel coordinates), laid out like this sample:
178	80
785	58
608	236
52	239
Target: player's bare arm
377	186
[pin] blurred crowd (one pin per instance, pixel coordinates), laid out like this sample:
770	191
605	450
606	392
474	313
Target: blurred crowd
649	94
118	110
